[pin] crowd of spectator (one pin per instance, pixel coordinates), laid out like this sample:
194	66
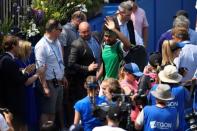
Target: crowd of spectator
73	76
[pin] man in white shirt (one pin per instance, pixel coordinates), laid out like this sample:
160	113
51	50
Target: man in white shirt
48	51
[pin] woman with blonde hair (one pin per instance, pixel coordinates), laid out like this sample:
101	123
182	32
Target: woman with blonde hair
26	64
25	50
170	50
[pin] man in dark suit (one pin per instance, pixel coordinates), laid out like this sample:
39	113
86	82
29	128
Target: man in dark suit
12	81
84	60
124	23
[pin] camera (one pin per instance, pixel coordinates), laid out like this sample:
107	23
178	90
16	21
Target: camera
123	102
191	119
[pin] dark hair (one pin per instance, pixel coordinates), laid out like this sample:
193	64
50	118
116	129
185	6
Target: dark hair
114	113
125	6
80	15
91	83
52	24
9	41
155	59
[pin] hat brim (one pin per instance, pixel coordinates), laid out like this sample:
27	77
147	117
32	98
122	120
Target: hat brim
154	93
163	78
138	74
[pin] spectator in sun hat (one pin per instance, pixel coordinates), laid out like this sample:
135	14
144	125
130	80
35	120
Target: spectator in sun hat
113	118
158	116
169	75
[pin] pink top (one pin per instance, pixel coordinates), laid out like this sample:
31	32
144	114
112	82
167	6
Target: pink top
139	20
132	86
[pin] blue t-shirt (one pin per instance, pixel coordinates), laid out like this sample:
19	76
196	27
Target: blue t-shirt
84	107
182	96
160	119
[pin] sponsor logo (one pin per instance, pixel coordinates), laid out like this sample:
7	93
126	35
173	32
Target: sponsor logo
160	125
172	104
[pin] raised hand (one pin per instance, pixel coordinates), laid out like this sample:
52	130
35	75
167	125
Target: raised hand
109	23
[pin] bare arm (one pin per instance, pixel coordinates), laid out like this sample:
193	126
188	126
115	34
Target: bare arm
111	26
100	72
39	72
9	118
77	117
145	36
140	120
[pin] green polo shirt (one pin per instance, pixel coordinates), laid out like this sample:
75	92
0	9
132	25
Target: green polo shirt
112	56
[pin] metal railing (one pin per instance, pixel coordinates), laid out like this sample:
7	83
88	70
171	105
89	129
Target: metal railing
13	9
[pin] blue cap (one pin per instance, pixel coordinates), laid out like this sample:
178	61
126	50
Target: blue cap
92	85
133	69
180	44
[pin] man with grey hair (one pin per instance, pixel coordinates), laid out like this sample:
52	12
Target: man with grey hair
181	20
124	24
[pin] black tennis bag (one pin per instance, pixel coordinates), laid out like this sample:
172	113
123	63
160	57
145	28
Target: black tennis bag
137	54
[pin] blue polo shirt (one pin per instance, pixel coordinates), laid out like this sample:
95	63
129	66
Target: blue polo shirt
159	119
84	107
182	96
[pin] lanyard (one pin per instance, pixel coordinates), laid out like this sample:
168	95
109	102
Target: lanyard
59	62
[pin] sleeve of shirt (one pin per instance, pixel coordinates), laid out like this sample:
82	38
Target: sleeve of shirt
140	118
3	124
40	56
63	38
75	56
187	95
151	99
138	39
177	60
96	129
124	53
195	74
145	21
77	107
